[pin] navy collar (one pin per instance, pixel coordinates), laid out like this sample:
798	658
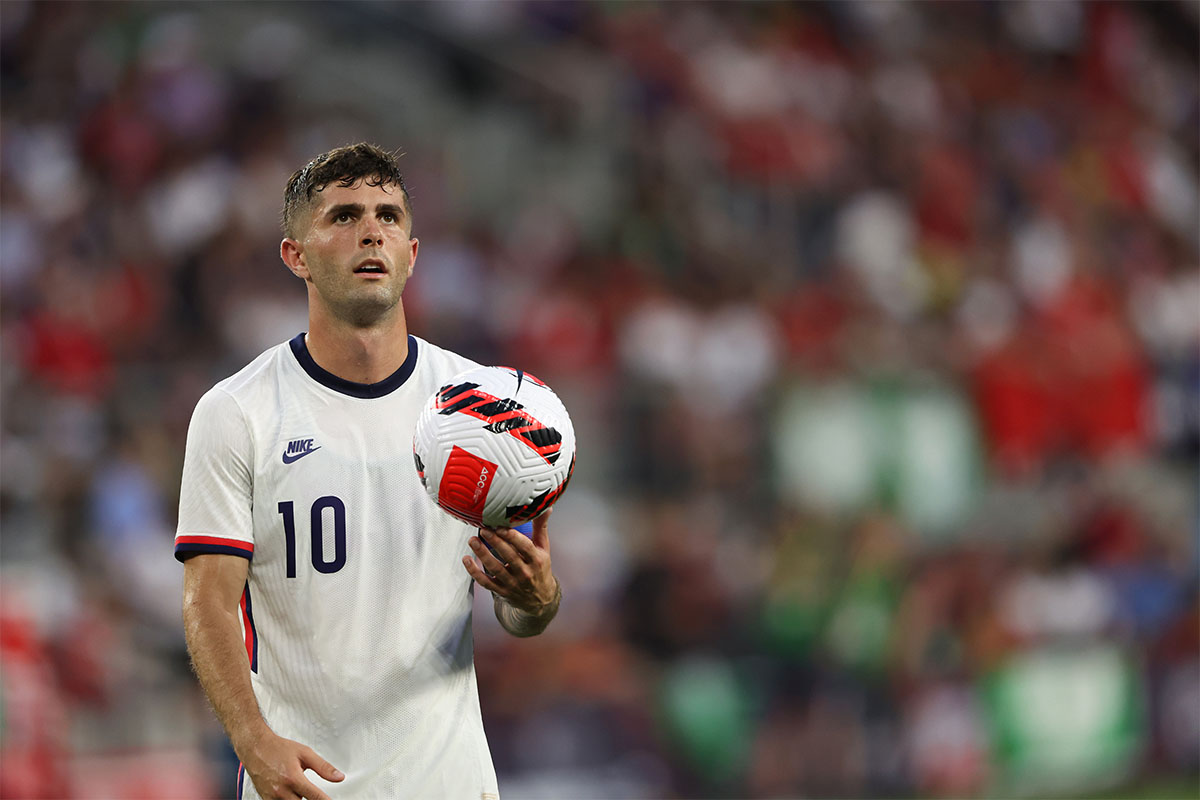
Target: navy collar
364	390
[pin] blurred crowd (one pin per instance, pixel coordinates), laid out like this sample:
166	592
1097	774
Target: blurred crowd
879	324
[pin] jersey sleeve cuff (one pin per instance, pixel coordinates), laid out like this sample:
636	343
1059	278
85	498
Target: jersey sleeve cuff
191	545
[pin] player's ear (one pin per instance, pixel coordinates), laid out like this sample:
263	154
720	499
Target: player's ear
293	256
413	245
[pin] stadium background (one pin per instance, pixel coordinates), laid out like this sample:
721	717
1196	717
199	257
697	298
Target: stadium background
879	323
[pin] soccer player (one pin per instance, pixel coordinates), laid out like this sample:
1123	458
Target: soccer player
326	605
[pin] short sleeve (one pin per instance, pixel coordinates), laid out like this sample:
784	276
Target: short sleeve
216	493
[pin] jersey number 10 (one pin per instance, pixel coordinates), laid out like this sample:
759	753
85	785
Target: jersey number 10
318	534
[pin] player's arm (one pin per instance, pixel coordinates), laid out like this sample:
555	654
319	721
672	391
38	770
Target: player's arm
518	574
212	591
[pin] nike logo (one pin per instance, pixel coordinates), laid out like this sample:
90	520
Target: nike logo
298	449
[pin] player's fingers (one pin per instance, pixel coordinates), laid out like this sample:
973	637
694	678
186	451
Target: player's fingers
481	577
541	531
310	760
521	558
487	559
520	543
502	541
288	789
496	547
308	791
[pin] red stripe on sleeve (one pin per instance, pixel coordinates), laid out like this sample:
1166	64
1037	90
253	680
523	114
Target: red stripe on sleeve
235	543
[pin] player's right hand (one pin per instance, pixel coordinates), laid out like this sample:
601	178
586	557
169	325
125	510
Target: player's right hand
276	767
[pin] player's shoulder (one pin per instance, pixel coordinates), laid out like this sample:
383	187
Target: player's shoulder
262	369
244	388
439	362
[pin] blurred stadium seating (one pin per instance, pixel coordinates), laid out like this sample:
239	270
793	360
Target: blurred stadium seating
879	323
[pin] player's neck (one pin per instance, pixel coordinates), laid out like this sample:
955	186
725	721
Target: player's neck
361	355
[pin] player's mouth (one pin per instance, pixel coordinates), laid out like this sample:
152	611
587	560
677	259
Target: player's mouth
371	267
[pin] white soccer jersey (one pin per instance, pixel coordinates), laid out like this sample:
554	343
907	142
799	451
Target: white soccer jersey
357	610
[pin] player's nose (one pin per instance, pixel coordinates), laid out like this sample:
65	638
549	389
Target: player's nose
371	231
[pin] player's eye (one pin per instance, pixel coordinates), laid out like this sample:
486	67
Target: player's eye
345	216
387	216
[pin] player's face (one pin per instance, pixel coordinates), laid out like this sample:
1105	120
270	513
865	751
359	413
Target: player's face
356	252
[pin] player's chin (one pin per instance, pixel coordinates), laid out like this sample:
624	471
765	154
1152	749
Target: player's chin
369	303
387	288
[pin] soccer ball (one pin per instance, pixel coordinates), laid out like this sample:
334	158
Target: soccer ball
494	447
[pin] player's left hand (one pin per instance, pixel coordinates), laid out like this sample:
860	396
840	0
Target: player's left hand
517	568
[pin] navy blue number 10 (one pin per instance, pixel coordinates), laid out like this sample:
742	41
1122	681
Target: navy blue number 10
320	564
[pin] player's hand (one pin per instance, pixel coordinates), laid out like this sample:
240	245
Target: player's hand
517	568
276	766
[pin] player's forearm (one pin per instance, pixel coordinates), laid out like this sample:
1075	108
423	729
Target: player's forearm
214	640
523	623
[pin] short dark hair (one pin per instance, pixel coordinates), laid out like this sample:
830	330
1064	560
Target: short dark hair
345	166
